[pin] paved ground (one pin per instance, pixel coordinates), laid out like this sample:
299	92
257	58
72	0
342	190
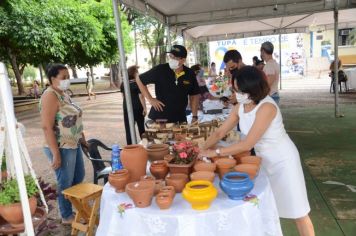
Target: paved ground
103	119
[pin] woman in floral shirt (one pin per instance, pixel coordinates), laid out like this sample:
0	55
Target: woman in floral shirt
61	122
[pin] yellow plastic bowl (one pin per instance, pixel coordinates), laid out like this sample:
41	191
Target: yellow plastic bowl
200	194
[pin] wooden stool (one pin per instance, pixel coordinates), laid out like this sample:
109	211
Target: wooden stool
80	195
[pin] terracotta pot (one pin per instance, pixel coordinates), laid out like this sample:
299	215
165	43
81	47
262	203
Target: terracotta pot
119	179
251	160
177	180
141	193
169	190
168	158
147	178
159	169
225	165
204	166
158	185
181	168
238	156
157	151
203	175
12	213
250	169
164	200
134	159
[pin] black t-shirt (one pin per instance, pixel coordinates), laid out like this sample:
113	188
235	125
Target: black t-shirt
174	96
135	91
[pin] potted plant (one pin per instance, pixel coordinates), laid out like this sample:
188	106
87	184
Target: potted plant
3	167
183	157
10	206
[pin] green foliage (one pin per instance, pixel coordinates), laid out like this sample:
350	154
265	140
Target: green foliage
3	162
10	190
352	37
30	72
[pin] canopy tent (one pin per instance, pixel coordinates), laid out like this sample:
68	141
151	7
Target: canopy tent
203	20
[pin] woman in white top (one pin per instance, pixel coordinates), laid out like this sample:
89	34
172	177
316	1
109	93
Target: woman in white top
261	122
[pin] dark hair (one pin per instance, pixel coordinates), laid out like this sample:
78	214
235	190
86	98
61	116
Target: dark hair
255	58
232	55
131	71
53	70
251	80
213	63
267	47
196	68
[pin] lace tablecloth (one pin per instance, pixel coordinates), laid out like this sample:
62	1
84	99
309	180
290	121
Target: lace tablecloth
257	216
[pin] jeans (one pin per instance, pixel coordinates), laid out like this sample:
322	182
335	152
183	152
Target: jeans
70	173
276	97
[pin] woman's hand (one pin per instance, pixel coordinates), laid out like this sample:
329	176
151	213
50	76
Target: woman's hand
57	161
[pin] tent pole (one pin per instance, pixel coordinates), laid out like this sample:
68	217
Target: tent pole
336	58
10	126
168	34
135	37
124	71
280	59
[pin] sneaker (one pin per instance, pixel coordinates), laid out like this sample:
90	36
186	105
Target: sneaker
68	221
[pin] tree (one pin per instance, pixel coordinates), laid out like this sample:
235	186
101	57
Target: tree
77	33
352	37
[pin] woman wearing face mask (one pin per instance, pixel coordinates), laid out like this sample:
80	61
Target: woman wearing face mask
61	122
261	122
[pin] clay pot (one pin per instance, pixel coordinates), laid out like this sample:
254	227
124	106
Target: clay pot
177	180
203	175
157	151
238	156
204	166
181	168
159	169
164	200
168	158
12	213
119	179
147	178
225	165
134	159
250	169
251	160
141	193
169	190
158	185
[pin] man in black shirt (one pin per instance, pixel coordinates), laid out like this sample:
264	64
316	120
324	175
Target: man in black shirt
174	83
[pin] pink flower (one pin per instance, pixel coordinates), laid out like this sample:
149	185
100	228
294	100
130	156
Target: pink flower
183	155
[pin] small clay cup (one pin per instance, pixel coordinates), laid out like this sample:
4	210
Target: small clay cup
203	175
251	160
178	181
238	156
159	183
159	169
250	169
164	201
169	190
225	165
119	179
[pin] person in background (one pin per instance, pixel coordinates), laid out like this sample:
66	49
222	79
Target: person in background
61	122
212	70
261	122
204	91
36	89
90	86
259	64
174	84
271	69
138	104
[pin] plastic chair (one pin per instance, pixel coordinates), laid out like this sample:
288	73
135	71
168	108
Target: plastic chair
101	171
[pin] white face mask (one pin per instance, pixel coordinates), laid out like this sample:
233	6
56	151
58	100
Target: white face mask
242	98
64	84
173	64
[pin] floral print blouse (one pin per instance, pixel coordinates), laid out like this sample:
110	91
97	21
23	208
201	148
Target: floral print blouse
68	125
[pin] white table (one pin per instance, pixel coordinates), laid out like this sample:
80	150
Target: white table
351	75
224	217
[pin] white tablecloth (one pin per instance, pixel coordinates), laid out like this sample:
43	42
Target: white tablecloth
351	75
224	217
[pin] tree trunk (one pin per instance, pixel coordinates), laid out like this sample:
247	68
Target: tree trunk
41	75
74	71
17	72
114	75
92	74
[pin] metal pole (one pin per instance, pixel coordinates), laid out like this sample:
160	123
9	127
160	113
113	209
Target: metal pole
280	59
135	37
124	71
10	125
168	34
336	58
